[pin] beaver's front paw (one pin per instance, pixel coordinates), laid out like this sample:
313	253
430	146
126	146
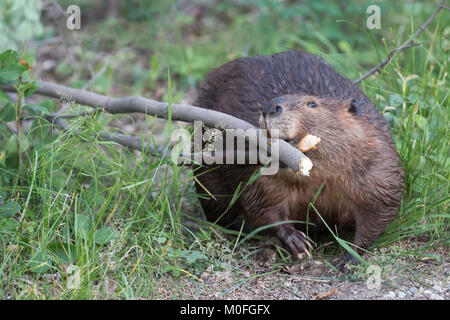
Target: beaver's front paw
295	240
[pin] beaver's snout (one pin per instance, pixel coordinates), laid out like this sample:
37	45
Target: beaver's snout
274	106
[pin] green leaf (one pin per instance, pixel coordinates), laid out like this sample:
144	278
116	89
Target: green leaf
10	73
10	208
40	262
422	122
83	225
345	46
196	256
63	252
9	224
104	235
49	104
8	57
395	100
3	96
11	145
27	89
8	112
35	109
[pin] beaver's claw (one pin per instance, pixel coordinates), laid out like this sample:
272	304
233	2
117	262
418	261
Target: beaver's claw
296	241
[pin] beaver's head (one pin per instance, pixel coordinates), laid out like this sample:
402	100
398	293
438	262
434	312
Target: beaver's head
297	115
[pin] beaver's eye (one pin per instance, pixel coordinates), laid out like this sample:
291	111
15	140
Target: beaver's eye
312	104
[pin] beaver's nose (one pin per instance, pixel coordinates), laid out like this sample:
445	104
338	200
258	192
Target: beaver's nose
274	106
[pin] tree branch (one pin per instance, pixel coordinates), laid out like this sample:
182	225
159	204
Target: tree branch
288	154
94	76
124	140
408	44
159	151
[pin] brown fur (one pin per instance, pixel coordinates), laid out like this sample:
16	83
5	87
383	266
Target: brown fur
356	158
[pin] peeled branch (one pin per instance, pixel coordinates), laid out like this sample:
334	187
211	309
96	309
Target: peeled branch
309	142
305	165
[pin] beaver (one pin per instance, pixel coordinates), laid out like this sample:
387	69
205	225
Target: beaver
356	164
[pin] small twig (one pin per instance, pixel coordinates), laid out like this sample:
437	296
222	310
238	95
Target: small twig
59	116
26	116
408	44
76	115
96	75
127	141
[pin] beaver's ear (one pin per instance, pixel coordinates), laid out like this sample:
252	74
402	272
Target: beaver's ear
354	108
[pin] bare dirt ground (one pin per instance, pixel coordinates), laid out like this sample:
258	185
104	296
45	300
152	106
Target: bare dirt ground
402	278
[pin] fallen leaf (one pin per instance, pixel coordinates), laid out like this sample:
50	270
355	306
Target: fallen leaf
323	295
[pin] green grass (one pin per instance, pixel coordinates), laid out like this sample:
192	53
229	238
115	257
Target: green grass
127	220
80	188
